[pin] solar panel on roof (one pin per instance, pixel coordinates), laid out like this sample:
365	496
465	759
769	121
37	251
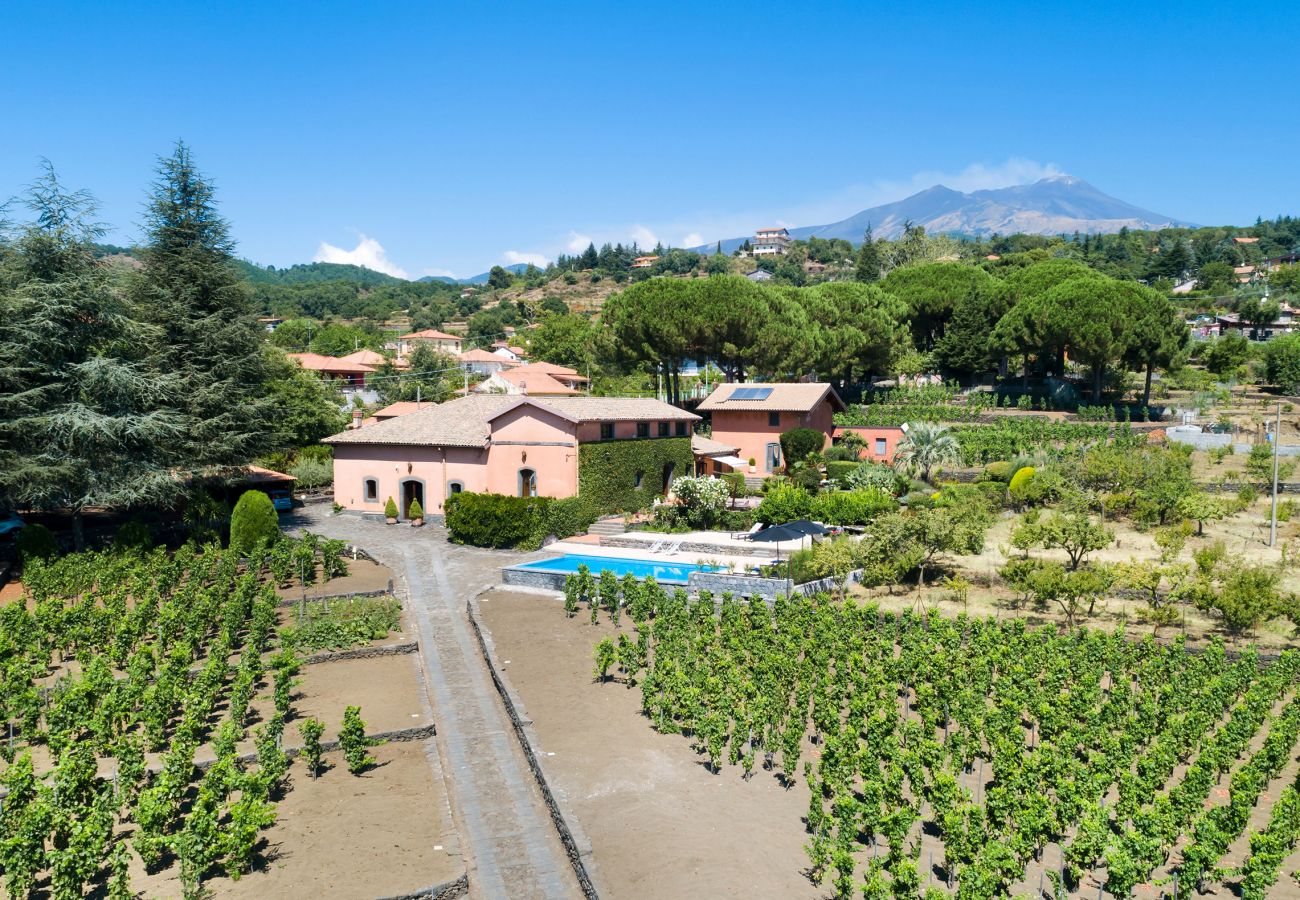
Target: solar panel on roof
751	393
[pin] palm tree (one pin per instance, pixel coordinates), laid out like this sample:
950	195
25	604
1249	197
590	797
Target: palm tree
926	447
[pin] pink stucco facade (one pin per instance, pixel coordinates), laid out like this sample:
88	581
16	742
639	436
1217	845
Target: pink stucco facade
531	451
882	441
758	433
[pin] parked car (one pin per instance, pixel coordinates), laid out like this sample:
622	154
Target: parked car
282	500
10	524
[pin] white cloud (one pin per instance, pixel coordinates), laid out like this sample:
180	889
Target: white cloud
975	177
643	237
368	253
514	257
577	242
694	239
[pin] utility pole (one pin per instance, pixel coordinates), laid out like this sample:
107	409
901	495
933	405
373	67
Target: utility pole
1277	441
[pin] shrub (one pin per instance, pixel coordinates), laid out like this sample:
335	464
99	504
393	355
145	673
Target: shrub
994	491
808	478
798	444
254	523
415	511
1282	362
1020	483
390	509
702	499
871	475
998	471
312	473
37	542
784	503
852	507
842	453
918	499
353	740
493	520
736	484
838	471
134	535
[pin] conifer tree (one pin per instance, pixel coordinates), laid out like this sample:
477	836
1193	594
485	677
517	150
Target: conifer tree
868	268
81	419
206	333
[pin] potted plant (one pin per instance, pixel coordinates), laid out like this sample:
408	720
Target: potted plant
416	514
390	511
753	465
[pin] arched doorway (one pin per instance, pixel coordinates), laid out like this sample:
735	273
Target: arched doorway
527	483
412	489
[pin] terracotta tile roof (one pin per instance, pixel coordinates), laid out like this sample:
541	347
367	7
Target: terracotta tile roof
531	381
464	422
784	397
480	355
1246	240
400	408
554	369
374	359
432	334
702	446
318	363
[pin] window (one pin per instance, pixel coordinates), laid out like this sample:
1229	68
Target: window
880	447
681	429
774	419
454	487
643	429
371	489
607	431
663	429
527	483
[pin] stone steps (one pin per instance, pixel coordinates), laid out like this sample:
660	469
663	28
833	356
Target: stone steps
608	527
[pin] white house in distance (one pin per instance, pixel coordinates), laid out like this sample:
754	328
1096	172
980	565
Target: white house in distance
771	241
438	340
481	362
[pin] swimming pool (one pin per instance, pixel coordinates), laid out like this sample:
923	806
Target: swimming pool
664	573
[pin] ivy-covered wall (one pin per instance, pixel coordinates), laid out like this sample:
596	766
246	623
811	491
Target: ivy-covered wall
607	470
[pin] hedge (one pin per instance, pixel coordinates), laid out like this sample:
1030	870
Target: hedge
800	443
838	471
492	520
502	521
607	471
37	542
851	507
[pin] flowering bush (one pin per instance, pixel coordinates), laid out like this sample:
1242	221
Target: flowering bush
702	499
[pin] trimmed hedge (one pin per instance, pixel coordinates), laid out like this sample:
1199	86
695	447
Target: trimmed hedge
851	507
838	471
492	520
502	521
607	471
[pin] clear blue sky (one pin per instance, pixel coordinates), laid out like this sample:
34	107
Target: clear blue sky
454	136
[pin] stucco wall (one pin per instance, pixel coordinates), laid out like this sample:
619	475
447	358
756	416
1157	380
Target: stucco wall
891	435
751	432
391	465
530	438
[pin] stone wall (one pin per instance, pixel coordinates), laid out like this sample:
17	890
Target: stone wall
549	581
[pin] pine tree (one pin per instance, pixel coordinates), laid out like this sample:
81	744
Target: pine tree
190	291
80	417
868	268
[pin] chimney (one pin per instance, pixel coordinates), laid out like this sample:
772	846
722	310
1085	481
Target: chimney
357	415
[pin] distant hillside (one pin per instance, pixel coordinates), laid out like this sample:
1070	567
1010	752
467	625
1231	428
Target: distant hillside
481	278
1059	204
307	273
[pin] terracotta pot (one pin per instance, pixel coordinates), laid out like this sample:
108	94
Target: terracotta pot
391	521
416	523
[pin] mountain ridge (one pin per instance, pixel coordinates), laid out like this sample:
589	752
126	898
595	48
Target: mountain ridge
1053	205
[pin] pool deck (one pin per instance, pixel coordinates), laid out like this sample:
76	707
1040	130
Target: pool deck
583	546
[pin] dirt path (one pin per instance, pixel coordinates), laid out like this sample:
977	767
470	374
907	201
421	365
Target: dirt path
509	840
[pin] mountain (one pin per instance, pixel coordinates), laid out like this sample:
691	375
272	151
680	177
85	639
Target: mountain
481	278
1058	204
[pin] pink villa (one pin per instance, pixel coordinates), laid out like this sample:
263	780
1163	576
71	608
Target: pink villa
752	417
504	444
881	440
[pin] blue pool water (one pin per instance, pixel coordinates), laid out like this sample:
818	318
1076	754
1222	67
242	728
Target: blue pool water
664	573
